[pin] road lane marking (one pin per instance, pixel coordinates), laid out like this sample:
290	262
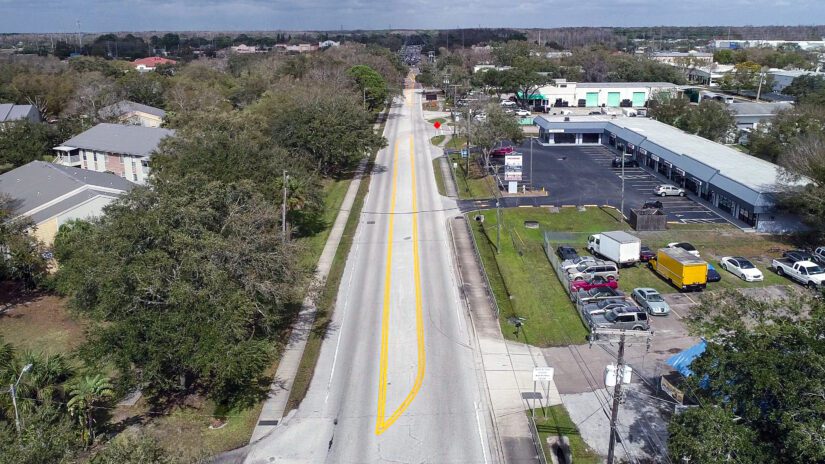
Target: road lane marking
385	317
383	423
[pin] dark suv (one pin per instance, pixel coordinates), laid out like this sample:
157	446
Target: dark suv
628	162
653	204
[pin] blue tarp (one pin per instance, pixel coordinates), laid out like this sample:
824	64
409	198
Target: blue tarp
681	361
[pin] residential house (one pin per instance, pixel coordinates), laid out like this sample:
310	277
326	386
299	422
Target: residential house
149	64
298	48
128	112
10	112
51	194
116	148
751	115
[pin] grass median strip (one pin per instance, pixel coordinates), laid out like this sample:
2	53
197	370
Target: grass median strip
439	177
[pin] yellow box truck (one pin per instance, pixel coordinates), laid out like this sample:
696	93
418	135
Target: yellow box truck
682	269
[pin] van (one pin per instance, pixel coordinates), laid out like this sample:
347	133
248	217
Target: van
617	245
683	270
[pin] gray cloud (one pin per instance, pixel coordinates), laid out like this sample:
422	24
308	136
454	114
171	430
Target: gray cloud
111	15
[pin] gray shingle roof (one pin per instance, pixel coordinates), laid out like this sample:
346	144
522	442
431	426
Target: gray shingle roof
126	106
758	109
119	138
33	185
12	112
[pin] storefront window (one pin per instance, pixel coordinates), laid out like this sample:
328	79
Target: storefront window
725	204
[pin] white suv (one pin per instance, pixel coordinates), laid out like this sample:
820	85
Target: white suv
665	190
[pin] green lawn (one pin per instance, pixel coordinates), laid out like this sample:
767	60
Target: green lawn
439	120
523	281
558	423
473	186
525	284
438	140
439	176
457	142
334	191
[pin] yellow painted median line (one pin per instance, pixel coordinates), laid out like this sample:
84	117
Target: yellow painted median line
383	423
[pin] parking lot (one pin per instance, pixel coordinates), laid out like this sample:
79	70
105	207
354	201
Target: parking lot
582	175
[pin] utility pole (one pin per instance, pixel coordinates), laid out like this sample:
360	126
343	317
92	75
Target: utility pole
283	208
617	393
621	209
498	224
761	80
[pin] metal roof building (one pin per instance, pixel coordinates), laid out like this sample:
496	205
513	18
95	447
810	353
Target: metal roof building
11	112
739	184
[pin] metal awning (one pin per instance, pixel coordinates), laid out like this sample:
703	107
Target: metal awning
532	96
64	148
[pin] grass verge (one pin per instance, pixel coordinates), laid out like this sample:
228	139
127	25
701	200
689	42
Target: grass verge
525	285
437	120
438	140
38	322
558	424
439	177
325	303
457	142
476	185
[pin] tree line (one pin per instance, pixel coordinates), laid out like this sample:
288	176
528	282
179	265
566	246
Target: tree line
188	283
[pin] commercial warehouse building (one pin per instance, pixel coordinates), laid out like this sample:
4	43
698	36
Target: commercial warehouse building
737	184
562	94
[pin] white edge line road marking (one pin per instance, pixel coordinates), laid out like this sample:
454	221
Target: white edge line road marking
480	434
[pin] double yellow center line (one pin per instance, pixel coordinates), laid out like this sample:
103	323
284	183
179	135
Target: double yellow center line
382	422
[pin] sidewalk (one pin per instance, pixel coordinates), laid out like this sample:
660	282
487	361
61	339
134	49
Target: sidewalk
508	366
273	408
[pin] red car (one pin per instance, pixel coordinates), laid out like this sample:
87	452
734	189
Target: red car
502	151
577	285
646	254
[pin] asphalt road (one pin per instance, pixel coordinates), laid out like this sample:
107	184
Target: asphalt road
398	379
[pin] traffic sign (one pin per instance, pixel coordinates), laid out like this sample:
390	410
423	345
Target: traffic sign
437	124
542	374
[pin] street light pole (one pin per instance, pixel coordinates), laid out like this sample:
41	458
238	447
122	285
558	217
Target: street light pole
621	208
531	163
13	390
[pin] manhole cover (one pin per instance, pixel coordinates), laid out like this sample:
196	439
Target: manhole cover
370	222
531	224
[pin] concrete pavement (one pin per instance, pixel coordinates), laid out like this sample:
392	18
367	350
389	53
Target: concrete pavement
398	378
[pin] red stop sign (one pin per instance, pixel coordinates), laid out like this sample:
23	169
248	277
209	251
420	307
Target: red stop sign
437	124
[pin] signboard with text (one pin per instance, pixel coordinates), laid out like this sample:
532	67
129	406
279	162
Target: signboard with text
512	167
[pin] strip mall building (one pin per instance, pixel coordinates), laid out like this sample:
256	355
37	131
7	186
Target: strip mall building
739	185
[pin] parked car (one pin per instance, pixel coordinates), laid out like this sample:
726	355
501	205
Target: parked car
595	294
713	274
665	190
625	320
646	254
502	151
806	273
589	270
628	162
798	255
571	263
819	255
742	268
602	306
523	113
685	246
651	301
594	113
654	204
566	252
596	282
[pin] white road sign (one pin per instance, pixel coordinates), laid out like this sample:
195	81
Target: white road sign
542	374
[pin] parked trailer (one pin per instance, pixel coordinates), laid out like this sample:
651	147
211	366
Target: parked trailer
617	246
682	269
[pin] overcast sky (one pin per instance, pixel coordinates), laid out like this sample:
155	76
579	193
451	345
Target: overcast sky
143	15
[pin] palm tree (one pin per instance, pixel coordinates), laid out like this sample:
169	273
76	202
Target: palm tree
85	394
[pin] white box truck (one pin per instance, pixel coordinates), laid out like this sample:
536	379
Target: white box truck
617	246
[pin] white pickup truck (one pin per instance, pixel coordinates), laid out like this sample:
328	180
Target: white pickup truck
805	272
